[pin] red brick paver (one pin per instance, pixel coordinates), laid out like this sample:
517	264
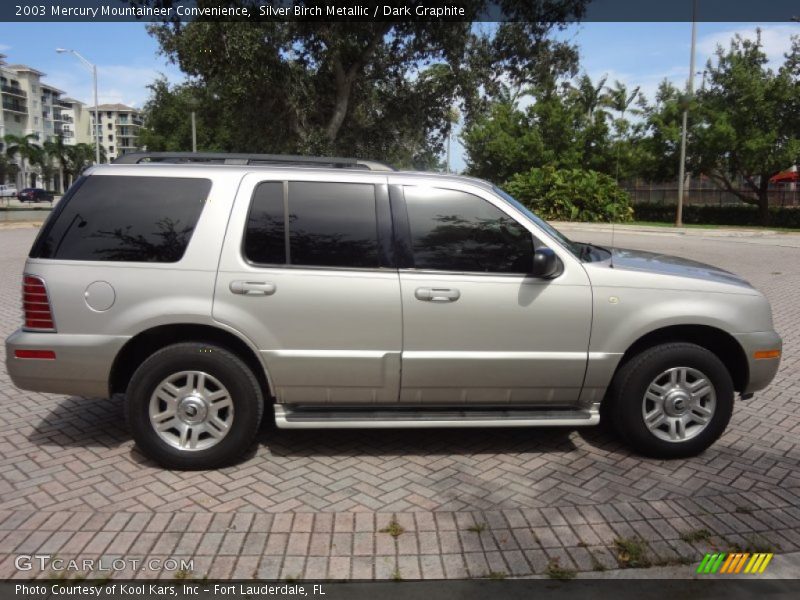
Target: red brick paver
311	504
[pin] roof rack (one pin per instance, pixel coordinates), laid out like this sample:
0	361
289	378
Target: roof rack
224	158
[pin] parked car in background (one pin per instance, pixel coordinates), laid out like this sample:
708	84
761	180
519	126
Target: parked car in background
8	191
35	195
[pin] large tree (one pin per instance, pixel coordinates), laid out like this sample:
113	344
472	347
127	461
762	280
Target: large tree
747	125
374	89
560	127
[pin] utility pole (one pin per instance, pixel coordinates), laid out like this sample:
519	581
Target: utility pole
93	68
690	92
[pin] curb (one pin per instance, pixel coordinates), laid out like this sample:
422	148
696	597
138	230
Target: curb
699	232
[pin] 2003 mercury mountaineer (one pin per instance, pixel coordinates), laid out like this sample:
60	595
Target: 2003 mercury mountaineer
347	294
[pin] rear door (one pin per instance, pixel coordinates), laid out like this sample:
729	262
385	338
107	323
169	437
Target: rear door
307	274
477	329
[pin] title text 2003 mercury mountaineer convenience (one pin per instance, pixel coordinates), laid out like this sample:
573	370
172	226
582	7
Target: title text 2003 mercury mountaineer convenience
208	288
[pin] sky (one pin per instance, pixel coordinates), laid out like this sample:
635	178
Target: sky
128	59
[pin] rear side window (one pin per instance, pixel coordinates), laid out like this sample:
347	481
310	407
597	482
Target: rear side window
456	231
328	225
131	219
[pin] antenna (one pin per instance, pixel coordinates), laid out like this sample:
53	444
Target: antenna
611	260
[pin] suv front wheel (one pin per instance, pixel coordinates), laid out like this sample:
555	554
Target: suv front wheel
672	400
193	406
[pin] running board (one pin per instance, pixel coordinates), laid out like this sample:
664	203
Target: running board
401	418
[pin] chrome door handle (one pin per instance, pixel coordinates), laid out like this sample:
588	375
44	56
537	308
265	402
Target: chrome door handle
437	294
253	288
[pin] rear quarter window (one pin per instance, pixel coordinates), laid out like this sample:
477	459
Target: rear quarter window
119	218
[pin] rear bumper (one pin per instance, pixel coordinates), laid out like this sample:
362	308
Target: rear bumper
81	367
761	370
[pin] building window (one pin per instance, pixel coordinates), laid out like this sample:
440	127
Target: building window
111	149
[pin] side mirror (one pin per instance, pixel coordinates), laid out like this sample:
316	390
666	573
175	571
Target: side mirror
545	263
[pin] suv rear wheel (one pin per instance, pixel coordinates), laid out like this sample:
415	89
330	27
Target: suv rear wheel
672	400
193	406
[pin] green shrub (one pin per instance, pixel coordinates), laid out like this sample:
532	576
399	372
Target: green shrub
571	195
733	214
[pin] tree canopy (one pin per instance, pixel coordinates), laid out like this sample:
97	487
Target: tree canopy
381	90
747	126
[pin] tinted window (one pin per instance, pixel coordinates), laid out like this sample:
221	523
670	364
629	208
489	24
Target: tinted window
264	238
330	225
138	219
456	231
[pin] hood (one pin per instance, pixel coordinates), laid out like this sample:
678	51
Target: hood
638	260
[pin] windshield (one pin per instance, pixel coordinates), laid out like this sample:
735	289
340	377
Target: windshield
573	247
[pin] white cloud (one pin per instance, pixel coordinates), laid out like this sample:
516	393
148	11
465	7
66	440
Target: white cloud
115	83
4	47
775	39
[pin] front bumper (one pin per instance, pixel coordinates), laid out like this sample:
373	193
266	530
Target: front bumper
761	370
81	367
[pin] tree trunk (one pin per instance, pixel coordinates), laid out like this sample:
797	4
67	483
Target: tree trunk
343	87
763	200
763	208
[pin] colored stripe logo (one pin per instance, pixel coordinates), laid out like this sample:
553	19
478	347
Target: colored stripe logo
733	563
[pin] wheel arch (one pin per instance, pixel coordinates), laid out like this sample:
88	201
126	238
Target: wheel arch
145	343
716	340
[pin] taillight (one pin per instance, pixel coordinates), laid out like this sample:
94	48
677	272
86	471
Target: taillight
36	305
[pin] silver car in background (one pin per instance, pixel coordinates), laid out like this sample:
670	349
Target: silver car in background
339	293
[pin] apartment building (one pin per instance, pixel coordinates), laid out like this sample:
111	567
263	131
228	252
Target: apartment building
77	122
32	106
119	128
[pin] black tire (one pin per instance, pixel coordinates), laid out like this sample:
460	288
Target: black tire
225	367
632	381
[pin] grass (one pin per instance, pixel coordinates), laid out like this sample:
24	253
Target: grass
707	226
477	528
396	576
754	544
556	571
394	529
696	535
496	575
632	553
596	564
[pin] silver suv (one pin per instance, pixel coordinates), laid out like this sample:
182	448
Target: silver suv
341	293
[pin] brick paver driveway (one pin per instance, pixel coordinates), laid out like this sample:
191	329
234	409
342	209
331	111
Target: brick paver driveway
468	503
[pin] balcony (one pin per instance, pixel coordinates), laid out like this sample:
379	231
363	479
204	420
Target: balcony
15	106
13	90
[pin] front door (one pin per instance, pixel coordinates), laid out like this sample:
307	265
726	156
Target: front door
476	328
306	275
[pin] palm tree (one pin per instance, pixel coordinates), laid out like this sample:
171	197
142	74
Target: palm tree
24	146
589	95
618	99
81	156
57	150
